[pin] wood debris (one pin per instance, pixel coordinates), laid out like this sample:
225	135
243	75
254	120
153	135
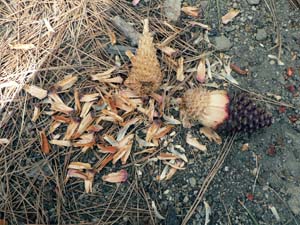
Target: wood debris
66	83
230	16
211	134
116	177
83	171
22	46
108	115
201	71
36	113
4	141
36	91
45	146
191	11
195	143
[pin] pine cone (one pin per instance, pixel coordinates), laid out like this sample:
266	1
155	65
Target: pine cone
210	108
145	76
246	115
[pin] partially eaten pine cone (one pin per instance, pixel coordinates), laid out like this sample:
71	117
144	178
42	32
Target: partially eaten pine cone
145	76
210	108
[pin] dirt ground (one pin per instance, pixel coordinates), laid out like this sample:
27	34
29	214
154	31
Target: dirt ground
252	187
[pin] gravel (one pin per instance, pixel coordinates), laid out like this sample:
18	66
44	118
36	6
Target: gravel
261	35
223	43
253	2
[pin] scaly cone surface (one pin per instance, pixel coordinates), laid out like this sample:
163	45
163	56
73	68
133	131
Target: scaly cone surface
145	76
246	115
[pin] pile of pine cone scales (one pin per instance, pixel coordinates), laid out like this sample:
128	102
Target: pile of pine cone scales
198	105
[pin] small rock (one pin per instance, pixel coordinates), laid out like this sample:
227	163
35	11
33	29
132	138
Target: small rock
166	192
222	43
186	199
261	34
172	9
192	181
294	201
253	2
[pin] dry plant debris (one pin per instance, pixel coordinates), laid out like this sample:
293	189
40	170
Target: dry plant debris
230	16
80	122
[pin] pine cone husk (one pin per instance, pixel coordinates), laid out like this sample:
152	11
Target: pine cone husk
209	108
145	76
246	115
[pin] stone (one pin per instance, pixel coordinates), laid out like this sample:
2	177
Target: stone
253	2
222	43
294	201
172	9
186	199
261	34
192	181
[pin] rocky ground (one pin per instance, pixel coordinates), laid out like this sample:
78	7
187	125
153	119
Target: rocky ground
267	174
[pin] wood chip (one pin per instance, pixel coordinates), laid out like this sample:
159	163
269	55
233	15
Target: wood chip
77	101
117	177
45	146
61	119
55	97
71	129
191	11
4	141
66	83
53	126
36	91
90	97
245	147
168	50
79	166
204	26
180	72
230	15
21	46
36	113
211	134
167	156
84	124
61	107
63	143
86	109
105	74
195	143
112	36
201	71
